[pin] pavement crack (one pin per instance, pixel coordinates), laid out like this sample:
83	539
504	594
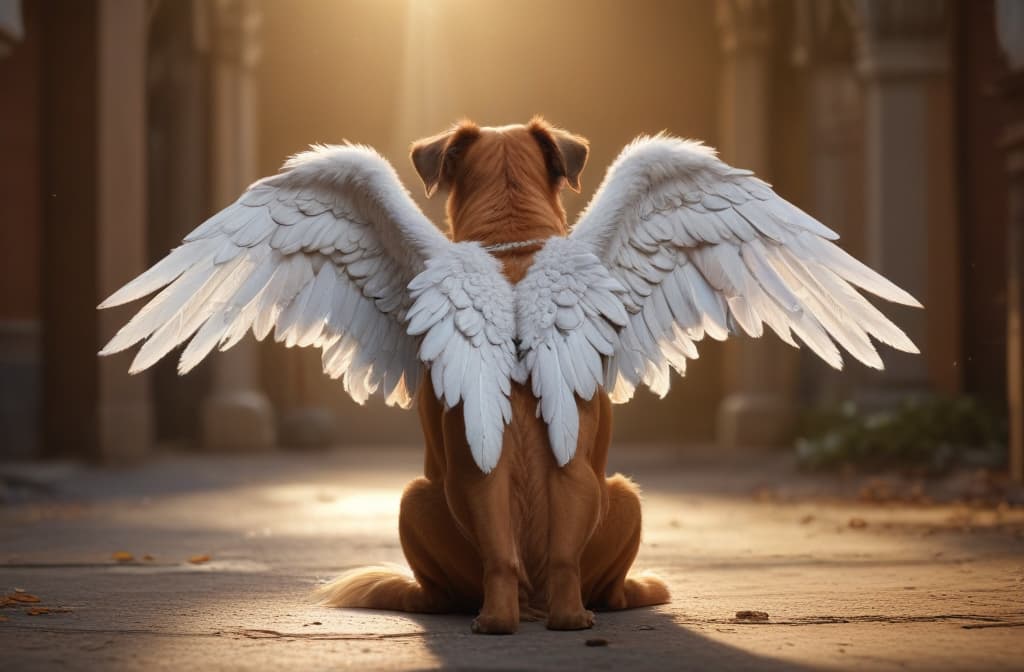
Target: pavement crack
980	621
248	633
275	634
109	631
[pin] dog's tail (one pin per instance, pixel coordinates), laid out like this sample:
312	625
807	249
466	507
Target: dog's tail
378	587
644	590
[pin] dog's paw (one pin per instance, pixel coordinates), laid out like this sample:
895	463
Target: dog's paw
487	624
580	620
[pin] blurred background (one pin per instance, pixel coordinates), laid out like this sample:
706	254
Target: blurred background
125	123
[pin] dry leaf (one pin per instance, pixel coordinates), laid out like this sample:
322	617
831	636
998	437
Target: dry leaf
123	556
148	558
752	616
37	611
199	559
22	597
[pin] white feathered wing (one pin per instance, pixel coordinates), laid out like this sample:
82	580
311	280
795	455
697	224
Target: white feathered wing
323	254
569	310
700	247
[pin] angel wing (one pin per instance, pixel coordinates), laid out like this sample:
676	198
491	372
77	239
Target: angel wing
700	247
333	252
464	308
569	309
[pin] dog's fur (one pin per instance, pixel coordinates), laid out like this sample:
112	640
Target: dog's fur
530	540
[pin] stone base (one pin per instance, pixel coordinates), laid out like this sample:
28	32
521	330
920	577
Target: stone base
20	389
871	399
755	420
238	422
126	431
308	428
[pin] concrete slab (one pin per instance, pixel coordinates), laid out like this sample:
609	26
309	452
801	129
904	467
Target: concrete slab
847	585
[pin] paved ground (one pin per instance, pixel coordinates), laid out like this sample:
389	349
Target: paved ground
846	585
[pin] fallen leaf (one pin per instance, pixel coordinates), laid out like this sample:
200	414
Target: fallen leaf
858	523
753	616
123	556
597	641
199	559
22	597
37	611
148	558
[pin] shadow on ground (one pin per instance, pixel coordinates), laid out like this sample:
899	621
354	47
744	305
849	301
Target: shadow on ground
641	639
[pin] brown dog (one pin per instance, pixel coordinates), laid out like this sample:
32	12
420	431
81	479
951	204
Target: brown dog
530	539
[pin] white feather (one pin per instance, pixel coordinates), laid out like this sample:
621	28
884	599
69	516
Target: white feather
465	367
273	237
743	256
568	310
179	260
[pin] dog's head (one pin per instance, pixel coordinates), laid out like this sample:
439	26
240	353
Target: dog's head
503	182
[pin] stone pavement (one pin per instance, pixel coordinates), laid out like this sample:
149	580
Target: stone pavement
846	585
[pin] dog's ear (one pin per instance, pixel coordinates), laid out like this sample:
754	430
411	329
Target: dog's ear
574	150
434	157
565	153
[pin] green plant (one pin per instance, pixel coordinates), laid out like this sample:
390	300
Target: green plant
929	435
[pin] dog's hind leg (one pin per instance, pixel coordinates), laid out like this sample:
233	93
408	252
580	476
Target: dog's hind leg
575	507
480	504
446	569
442	559
611	551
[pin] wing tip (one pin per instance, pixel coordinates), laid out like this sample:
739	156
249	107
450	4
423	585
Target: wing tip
892	293
113	347
118	298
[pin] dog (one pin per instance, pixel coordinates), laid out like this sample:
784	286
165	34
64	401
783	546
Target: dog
530	540
514	516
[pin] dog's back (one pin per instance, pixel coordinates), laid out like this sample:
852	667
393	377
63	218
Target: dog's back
503	193
530	539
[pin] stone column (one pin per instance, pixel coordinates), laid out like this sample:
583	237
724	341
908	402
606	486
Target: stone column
20	361
123	407
823	50
12	25
903	53
760	374
237	415
1013	140
1010	32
